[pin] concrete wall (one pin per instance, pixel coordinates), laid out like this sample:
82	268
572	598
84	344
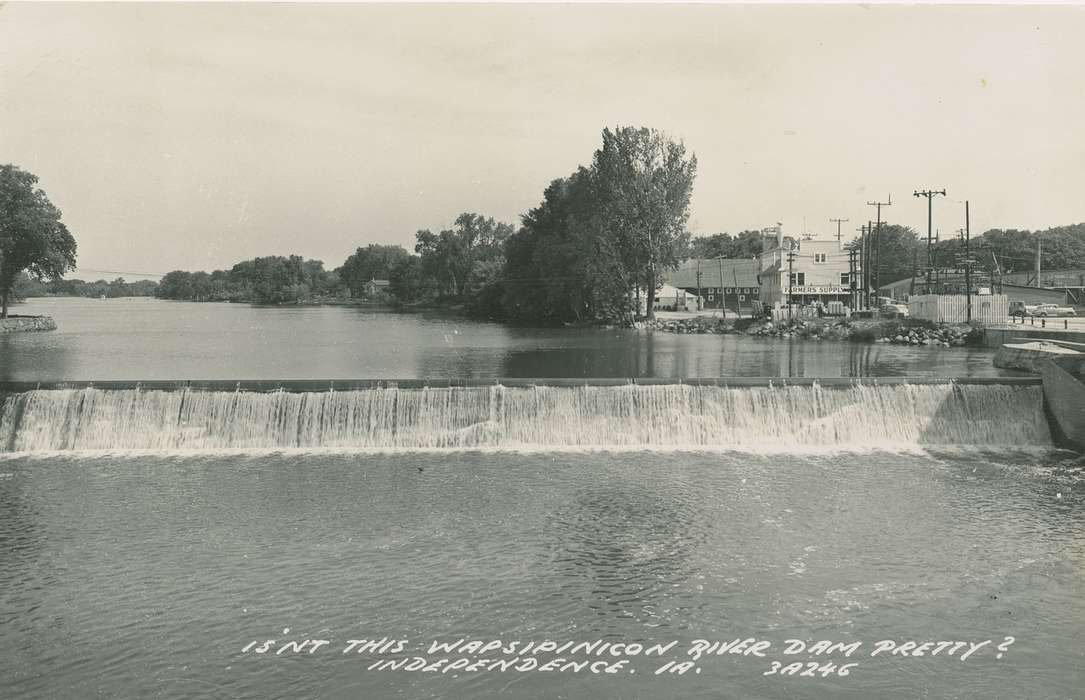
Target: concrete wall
997	337
1064	395
360	384
21	324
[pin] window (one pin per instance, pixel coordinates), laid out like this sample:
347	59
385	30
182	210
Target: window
742	297
729	290
845	279
798	279
819	257
711	298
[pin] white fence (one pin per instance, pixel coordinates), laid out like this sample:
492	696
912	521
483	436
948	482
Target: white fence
781	313
953	308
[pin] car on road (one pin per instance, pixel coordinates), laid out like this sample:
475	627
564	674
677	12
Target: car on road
1053	310
891	308
1020	308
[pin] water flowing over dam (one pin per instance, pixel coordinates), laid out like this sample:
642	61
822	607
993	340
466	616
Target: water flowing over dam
678	416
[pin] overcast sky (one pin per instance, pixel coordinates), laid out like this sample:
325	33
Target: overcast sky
193	136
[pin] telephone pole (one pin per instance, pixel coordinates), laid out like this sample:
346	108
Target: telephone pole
837	222
930	195
864	257
1039	258
790	278
852	269
877	242
700	305
967	262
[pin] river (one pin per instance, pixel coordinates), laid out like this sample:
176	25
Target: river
128	339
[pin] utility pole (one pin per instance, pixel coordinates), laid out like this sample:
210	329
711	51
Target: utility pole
877	242
852	253
790	278
864	244
837	222
929	194
967	262
1039	254
700	305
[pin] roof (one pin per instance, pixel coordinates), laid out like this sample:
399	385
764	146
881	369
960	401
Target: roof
737	272
669	292
380	283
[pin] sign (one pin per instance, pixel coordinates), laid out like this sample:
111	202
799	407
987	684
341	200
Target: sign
819	289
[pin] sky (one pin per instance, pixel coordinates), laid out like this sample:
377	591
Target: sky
193	136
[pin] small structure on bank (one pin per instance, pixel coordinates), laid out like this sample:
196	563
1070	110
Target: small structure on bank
375	287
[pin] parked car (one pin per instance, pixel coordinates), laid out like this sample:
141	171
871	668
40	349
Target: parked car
1053	310
1020	308
892	309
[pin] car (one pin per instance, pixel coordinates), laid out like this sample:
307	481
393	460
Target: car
892	309
1053	310
1020	308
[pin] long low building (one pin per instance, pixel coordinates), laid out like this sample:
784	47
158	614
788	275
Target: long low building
730	284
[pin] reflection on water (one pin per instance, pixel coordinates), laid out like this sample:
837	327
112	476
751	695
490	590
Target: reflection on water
152	339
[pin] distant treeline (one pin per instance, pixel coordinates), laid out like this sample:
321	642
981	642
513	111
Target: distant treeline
26	286
270	280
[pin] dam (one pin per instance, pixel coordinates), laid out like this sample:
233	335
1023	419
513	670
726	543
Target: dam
201	517
721	414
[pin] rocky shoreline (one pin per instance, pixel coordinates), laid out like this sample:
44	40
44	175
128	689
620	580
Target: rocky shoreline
26	324
895	332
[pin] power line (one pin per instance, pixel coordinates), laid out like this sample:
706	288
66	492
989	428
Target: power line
119	272
837	222
930	195
876	252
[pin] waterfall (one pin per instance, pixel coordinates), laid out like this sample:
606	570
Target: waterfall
530	417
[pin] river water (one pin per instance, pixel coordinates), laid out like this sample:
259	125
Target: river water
152	339
152	541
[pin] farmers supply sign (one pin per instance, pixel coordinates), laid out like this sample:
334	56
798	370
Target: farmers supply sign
819	289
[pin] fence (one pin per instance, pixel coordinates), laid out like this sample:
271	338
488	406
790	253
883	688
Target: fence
953	308
781	313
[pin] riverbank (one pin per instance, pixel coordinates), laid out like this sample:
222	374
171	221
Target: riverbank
893	331
27	324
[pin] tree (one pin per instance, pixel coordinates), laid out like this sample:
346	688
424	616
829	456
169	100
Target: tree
32	237
645	184
898	248
723	245
449	257
369	263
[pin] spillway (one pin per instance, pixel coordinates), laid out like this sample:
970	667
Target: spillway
850	414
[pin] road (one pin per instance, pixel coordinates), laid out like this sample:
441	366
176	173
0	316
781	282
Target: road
1073	323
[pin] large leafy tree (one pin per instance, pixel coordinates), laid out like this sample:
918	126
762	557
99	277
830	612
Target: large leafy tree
370	263
898	249
603	234
450	257
723	245
645	181
32	237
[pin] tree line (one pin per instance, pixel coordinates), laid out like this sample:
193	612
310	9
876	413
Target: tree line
27	286
903	250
